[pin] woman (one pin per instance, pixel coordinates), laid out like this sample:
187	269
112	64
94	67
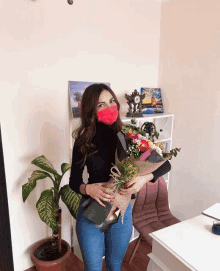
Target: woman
95	147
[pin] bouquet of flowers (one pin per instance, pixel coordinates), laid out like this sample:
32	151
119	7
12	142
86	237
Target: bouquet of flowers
143	157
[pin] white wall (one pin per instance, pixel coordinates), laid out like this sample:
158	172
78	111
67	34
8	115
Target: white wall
189	75
43	45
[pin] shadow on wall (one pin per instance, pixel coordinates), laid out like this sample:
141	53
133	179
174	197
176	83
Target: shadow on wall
43	136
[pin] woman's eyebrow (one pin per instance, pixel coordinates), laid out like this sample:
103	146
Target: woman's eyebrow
104	102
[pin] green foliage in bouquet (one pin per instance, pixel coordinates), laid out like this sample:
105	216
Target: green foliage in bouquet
171	153
127	127
127	170
49	199
155	134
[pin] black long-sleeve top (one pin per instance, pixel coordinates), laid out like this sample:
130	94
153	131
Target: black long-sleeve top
100	163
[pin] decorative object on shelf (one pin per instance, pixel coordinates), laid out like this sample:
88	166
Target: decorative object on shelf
55	250
152	103
76	90
149	128
134	102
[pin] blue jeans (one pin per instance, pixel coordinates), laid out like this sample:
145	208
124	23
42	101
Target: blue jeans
95	244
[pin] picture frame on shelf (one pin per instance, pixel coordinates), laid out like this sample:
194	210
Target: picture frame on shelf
152	103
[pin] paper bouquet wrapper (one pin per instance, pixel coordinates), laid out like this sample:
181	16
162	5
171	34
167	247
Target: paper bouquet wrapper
153	162
120	201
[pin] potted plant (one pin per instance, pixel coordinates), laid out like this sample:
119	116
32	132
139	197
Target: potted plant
51	253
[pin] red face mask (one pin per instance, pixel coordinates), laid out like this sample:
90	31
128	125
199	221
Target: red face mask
108	115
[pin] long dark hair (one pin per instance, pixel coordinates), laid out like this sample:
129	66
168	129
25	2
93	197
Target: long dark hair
85	133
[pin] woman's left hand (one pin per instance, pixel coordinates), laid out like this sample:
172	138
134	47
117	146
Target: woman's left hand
136	184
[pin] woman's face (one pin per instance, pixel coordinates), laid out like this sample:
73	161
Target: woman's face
105	100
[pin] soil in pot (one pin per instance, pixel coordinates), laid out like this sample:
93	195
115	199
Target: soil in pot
44	253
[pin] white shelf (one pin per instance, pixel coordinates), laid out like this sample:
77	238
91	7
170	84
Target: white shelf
163	140
165	136
163	124
146	116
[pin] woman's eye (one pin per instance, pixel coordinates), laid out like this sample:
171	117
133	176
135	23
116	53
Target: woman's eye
112	101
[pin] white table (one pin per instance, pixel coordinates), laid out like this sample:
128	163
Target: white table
188	245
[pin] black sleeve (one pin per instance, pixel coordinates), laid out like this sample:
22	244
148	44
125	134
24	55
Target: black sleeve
76	178
166	167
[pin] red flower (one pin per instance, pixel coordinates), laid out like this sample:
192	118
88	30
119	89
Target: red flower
144	142
134	136
144	146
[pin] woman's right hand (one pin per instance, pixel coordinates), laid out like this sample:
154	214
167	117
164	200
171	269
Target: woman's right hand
99	192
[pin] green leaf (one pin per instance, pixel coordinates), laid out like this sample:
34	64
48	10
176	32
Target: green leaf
43	163
65	167
71	199
143	133
58	178
32	181
45	207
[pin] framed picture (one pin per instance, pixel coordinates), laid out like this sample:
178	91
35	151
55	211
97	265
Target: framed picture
76	90
152	103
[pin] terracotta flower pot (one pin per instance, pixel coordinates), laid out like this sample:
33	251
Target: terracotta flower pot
53	265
